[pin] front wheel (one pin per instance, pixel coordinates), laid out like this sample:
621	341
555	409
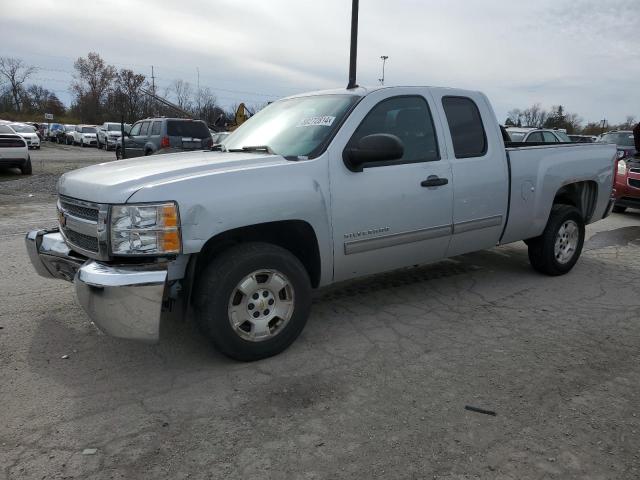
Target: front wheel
253	300
557	250
118	153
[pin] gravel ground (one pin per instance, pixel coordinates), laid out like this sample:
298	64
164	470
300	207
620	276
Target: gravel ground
376	386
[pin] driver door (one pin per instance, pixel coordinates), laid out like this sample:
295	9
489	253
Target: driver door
389	215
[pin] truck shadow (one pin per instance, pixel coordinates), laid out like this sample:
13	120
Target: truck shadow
184	353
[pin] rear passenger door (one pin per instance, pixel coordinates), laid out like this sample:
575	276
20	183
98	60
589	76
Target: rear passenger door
479	170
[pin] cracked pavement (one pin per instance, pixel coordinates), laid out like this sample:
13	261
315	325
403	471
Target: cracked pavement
375	387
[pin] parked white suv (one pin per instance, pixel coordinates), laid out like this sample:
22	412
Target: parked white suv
109	134
28	133
85	135
13	150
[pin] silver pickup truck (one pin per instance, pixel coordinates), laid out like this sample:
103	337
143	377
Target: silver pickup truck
315	189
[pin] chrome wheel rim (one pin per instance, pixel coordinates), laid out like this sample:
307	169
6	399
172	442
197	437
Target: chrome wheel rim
261	305
566	241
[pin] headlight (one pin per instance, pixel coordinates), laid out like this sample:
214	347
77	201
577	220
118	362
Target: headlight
145	229
622	167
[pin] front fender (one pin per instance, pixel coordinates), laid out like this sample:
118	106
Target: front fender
214	203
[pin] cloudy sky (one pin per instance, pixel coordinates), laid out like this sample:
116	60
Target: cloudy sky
583	54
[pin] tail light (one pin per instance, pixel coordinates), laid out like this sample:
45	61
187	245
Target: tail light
165	143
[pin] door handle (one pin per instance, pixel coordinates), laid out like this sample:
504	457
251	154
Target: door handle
434	181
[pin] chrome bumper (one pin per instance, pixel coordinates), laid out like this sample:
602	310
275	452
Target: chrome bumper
122	301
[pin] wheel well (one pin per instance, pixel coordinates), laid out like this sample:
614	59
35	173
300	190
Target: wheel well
296	236
582	195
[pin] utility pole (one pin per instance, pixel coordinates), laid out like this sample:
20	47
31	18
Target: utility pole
153	81
199	96
353	57
384	60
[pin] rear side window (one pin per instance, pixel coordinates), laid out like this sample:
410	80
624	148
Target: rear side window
465	124
549	137
187	128
145	128
11	142
155	129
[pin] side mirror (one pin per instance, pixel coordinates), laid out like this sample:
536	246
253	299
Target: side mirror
378	147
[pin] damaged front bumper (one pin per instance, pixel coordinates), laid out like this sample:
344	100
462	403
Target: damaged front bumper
123	301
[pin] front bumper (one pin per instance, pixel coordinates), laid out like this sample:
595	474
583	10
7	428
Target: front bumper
123	301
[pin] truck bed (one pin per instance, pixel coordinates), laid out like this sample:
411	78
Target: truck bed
538	172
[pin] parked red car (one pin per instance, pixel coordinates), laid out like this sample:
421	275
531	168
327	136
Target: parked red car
627	184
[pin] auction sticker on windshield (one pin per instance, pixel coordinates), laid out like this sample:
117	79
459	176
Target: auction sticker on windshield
323	121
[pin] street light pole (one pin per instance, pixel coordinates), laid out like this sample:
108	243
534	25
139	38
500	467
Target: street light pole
384	60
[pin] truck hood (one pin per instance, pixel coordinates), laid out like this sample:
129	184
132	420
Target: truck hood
115	182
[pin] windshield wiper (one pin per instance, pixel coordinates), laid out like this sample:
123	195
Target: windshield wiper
254	148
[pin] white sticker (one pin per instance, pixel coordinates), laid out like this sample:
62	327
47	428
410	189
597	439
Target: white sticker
323	121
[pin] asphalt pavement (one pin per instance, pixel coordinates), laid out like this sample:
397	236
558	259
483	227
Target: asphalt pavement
375	387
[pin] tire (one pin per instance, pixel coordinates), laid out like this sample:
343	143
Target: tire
544	257
82	144
216	293
118	153
618	209
147	153
27	169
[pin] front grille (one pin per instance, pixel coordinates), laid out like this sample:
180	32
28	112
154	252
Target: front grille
83	241
634	170
87	213
634	182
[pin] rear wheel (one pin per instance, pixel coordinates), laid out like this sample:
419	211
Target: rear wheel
557	250
253	300
27	169
619	209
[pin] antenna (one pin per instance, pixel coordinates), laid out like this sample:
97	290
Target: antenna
354	45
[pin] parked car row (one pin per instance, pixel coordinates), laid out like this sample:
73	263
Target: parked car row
24	130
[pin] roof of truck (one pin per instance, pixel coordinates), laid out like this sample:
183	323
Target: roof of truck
362	91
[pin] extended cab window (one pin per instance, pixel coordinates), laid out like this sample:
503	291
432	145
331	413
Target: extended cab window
465	124
408	118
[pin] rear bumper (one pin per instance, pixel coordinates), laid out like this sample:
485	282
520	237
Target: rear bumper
122	301
13	162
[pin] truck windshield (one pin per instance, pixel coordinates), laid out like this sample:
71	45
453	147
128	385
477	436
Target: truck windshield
294	127
623	139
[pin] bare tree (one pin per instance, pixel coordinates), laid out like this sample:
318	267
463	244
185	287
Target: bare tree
183	93
534	116
629	123
514	117
93	82
129	98
16	73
